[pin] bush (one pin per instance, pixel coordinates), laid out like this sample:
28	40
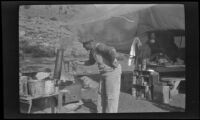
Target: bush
38	51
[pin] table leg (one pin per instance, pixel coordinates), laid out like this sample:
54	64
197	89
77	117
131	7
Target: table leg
133	87
60	96
52	102
30	106
151	89
174	90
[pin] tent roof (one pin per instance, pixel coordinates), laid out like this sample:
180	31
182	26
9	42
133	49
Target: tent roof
160	16
117	23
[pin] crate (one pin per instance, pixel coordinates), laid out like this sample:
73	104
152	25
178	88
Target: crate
161	93
74	93
126	81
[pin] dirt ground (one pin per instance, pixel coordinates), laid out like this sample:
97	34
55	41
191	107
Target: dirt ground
127	103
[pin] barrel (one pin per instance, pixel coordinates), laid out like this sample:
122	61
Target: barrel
36	88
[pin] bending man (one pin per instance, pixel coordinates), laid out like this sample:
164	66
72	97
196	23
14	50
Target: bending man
110	70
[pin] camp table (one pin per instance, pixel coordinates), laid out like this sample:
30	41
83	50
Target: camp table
29	100
169	76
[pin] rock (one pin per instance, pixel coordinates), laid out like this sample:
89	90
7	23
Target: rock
80	102
73	106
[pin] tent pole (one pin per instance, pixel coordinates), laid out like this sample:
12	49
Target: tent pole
59	59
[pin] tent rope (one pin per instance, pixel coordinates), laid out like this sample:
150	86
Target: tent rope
125	18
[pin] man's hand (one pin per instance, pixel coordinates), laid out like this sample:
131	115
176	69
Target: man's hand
115	64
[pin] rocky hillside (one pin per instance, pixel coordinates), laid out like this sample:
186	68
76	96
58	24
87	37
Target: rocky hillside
44	28
40	33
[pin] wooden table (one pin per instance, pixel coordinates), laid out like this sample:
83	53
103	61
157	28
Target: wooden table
29	100
169	76
172	68
173	72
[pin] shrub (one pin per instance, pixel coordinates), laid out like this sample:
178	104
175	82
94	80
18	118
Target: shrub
38	50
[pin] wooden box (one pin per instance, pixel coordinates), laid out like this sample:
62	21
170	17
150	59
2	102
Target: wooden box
161	93
74	93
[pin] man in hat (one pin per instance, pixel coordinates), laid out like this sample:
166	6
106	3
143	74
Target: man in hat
109	68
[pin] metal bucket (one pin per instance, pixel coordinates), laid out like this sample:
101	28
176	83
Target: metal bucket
35	88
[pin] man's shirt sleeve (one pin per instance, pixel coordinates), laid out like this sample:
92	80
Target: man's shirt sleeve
108	52
91	60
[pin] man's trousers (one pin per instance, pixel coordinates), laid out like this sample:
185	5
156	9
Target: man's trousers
109	91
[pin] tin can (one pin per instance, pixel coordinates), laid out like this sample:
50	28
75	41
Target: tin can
140	67
166	94
133	92
144	83
56	89
134	79
144	64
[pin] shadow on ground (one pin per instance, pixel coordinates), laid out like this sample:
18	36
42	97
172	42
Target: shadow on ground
90	104
37	105
181	87
126	80
167	107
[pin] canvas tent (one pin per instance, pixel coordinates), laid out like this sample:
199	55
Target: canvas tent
117	25
119	32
